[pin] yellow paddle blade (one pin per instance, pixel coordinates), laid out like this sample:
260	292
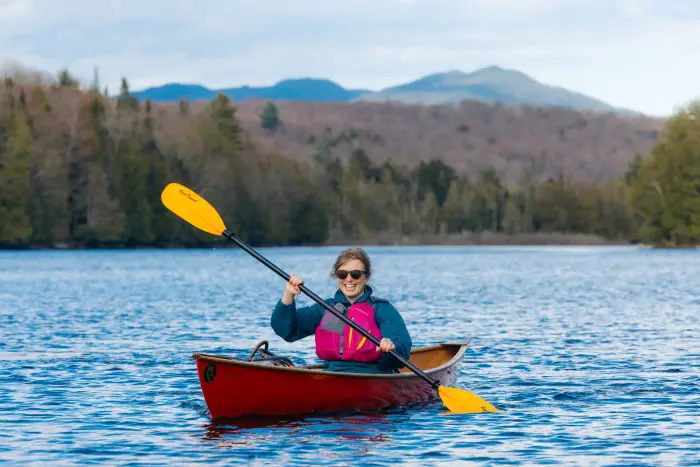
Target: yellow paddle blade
459	401
192	208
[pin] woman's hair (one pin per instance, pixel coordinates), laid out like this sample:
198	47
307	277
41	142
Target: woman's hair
350	254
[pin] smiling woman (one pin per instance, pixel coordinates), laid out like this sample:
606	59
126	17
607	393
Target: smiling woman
337	345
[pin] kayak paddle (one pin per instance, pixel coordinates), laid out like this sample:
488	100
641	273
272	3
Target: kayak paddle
197	211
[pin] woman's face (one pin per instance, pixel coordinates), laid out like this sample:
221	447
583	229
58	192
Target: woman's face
352	287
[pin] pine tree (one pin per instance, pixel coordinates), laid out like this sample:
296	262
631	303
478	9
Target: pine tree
269	117
16	190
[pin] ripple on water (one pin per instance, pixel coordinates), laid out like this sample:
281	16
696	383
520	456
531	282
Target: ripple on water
591	353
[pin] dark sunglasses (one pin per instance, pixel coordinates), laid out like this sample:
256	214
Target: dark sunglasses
355	274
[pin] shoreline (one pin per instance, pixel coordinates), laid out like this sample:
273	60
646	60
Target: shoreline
463	239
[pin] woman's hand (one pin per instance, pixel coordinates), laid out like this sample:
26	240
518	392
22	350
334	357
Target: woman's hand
292	289
385	345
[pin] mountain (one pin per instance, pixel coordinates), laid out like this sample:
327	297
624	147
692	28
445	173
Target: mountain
303	89
490	85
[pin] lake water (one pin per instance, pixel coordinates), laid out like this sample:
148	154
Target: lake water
593	355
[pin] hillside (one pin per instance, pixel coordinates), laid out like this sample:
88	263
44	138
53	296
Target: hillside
586	146
490	85
84	170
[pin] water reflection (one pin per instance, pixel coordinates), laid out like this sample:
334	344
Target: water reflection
357	430
338	422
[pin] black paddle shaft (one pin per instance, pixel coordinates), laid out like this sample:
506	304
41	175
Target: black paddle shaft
231	236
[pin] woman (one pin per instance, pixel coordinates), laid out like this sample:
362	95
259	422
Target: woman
340	346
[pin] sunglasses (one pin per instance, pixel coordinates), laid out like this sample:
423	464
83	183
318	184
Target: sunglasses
355	274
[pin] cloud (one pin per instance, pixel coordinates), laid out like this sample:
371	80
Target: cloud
632	53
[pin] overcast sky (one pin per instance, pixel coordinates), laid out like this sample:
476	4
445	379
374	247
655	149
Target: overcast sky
639	54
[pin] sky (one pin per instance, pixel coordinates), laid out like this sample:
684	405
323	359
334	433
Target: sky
639	54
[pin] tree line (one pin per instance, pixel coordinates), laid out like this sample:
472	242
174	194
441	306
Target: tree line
81	169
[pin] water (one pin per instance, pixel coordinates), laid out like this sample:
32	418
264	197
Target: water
592	354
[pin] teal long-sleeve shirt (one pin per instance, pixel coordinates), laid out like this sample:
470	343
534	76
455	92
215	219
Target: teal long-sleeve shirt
292	324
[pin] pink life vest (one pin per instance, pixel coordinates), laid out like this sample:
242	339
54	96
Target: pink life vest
335	340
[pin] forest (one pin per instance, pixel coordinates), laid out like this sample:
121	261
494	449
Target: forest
82	169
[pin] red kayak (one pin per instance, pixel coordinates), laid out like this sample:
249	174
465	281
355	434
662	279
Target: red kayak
240	388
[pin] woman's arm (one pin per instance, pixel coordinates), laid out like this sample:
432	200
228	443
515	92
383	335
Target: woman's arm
392	326
292	324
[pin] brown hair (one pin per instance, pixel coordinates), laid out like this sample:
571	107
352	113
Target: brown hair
350	254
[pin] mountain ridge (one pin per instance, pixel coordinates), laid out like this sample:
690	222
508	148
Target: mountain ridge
492	84
312	89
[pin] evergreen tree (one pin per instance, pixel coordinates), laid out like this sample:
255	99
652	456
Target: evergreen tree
269	118
66	80
16	193
667	187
